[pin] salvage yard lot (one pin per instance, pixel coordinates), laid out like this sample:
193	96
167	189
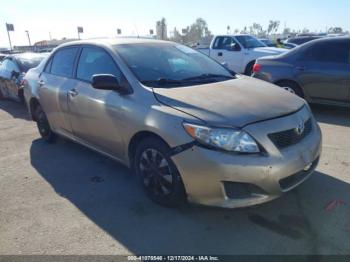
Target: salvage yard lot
66	199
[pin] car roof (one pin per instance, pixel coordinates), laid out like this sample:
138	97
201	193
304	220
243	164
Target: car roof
115	41
329	39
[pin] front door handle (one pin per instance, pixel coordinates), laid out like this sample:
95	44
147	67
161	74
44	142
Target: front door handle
220	54
73	93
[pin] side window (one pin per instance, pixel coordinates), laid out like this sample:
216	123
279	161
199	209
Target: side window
48	66
337	52
95	61
63	62
224	42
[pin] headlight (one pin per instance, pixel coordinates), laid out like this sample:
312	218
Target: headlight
223	138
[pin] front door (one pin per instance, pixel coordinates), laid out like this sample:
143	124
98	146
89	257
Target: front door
226	50
96	115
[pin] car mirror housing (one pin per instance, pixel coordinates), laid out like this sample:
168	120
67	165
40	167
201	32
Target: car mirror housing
107	82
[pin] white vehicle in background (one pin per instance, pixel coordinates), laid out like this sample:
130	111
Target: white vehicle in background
239	52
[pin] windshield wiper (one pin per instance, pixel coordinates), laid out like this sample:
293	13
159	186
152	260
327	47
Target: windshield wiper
207	77
163	81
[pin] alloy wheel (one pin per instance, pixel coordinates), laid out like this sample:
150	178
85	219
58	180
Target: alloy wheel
156	173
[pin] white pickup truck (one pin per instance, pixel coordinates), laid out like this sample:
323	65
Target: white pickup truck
239	52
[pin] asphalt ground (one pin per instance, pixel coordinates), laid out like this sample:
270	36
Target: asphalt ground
65	199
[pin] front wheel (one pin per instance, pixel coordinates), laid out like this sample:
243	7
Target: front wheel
158	174
43	125
291	87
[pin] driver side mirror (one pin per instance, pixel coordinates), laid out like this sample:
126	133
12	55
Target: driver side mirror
108	82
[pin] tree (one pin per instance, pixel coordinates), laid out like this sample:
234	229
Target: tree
244	31
197	31
335	30
305	31
257	29
177	37
287	31
273	26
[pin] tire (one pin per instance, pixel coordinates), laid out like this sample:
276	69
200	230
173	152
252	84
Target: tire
43	125
292	87
158	174
2	96
249	69
21	96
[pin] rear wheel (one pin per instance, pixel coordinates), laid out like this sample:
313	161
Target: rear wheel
291	87
158	174
249	69
43	125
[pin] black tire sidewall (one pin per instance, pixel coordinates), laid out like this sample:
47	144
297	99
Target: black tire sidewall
175	198
39	114
249	69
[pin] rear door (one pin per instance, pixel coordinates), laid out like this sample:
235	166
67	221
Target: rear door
55	82
96	115
324	70
223	52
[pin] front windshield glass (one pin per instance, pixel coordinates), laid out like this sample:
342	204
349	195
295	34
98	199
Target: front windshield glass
248	41
171	65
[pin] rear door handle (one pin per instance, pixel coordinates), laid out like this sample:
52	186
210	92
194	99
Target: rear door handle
73	93
220	54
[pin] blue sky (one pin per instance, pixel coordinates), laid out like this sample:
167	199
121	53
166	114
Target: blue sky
101	18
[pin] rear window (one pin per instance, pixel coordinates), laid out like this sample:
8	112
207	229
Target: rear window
27	64
328	52
63	62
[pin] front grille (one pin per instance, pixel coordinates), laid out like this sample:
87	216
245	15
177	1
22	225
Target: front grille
290	137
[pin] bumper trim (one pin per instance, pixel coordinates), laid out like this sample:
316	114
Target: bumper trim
292	181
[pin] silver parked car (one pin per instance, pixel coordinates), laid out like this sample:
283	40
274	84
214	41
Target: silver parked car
12	71
189	128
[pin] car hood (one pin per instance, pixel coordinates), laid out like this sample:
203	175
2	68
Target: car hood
233	103
270	50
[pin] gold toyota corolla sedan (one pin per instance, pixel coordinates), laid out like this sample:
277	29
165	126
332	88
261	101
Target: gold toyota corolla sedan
189	128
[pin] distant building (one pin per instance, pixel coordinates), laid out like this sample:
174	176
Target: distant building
162	30
50	44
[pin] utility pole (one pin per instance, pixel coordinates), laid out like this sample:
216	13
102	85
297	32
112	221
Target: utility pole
30	44
9	27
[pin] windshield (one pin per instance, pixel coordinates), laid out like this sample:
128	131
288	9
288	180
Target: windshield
171	65
248	41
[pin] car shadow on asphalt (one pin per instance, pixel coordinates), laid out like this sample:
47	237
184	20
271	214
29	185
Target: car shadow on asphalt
15	109
331	114
110	196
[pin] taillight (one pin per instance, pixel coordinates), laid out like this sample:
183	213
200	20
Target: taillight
256	68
